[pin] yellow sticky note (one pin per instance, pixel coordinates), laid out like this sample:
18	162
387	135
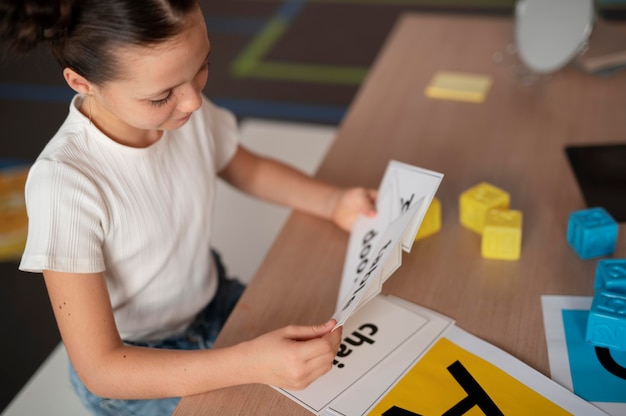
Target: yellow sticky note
459	86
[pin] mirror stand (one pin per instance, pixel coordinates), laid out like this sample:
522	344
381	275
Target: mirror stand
606	49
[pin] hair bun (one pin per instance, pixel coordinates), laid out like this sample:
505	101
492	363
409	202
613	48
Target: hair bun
27	23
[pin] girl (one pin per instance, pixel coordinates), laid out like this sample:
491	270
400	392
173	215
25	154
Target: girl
120	204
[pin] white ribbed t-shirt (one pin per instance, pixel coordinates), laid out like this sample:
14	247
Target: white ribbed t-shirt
140	215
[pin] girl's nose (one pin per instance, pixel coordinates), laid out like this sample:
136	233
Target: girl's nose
189	100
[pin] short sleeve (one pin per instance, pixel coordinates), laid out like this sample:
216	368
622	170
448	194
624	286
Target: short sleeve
225	132
66	220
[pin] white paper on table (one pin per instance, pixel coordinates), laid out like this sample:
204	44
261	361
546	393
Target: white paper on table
352	403
389	240
366	392
396	323
558	356
523	373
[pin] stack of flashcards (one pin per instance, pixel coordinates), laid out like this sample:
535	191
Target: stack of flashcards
376	244
398	358
380	342
459	86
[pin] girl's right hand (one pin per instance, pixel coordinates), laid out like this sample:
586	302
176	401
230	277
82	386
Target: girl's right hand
294	356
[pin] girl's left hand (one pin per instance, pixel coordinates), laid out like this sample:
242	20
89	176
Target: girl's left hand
351	204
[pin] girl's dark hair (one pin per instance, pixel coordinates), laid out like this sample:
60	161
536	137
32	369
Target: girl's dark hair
82	34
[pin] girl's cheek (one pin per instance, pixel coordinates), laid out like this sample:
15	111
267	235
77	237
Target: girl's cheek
204	77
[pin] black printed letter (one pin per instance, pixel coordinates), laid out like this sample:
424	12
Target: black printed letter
476	396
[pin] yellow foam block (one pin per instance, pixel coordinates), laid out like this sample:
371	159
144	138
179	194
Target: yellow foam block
502	236
431	223
476	201
459	86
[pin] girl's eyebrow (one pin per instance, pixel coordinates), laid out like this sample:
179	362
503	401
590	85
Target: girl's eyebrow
166	90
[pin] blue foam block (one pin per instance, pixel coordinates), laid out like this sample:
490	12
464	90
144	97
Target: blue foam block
592	233
606	325
611	275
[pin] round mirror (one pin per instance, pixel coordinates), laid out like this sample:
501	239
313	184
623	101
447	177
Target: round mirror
550	33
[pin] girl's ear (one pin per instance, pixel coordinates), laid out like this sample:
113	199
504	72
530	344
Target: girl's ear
77	82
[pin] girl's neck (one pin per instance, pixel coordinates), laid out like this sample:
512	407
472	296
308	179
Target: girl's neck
115	130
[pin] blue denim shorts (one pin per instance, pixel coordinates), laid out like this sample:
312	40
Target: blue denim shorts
200	334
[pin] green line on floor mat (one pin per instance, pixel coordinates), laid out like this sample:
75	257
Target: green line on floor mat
309	73
250	62
247	61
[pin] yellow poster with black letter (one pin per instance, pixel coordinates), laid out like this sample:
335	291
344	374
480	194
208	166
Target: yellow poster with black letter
400	359
451	380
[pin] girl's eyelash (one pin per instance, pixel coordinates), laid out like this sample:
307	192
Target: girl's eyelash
162	101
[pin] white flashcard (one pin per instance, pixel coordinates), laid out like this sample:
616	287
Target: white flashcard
389	240
372	336
404	188
369	389
393	263
388	188
409	184
364	237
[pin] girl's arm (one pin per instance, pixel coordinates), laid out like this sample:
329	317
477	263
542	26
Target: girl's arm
276	182
290	357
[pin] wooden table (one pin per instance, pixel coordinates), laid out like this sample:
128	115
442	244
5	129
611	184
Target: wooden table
514	140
